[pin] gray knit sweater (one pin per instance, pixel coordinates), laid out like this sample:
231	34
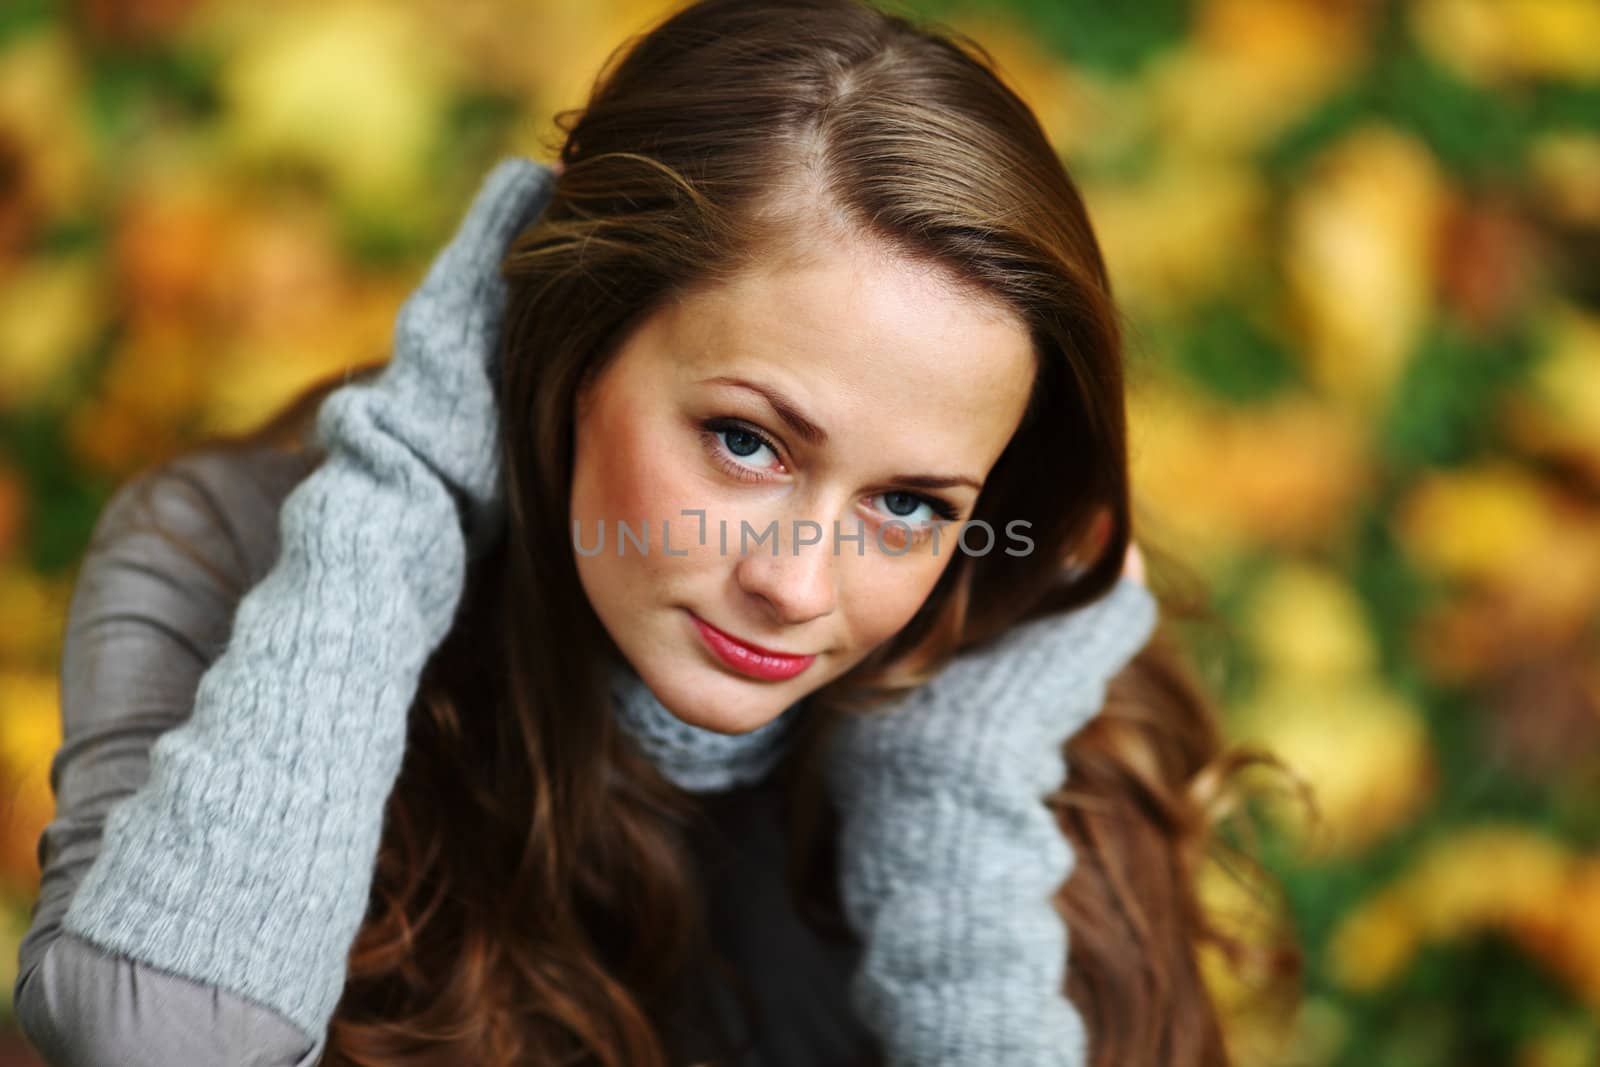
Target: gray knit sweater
245	861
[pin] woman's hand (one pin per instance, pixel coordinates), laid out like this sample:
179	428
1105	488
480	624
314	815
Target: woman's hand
245	861
949	857
438	390
1133	564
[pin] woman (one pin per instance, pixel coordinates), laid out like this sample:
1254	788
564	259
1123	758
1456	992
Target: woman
463	781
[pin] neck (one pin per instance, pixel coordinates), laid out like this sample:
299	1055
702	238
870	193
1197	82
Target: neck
694	758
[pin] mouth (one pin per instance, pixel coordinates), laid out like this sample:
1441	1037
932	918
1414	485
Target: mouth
748	659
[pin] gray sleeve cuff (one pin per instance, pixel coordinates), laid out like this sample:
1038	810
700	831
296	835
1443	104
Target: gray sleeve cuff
82	1007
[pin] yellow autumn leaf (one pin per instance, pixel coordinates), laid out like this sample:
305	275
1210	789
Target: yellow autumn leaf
30	727
1359	257
170	247
1486	876
287	272
1246	906
1181	234
1479	523
554	49
1223	479
1490	41
1249	68
1372	944
1564	932
30	733
51	159
51	312
255	375
1363	750
509	48
1559	411
152	383
1307	620
256	381
356	89
33	615
1564	170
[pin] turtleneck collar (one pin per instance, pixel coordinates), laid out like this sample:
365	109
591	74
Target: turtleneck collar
694	758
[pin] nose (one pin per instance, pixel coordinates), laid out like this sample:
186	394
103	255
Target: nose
796	582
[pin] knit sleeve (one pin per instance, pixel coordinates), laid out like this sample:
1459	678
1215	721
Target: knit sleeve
950	859
245	861
151	607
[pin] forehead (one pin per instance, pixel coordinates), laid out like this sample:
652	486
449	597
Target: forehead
869	344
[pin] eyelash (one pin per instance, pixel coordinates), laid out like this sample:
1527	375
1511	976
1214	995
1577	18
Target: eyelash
712	429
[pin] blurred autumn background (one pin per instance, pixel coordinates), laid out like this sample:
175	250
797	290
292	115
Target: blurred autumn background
1358	248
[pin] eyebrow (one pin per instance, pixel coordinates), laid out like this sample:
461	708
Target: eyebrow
816	436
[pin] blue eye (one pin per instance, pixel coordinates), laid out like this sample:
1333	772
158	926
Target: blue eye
910	502
728	439
729	443
742	442
901	504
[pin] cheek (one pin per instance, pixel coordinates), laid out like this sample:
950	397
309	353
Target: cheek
886	593
618	475
624	472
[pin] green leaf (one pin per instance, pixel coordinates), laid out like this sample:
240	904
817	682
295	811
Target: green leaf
1108	36
64	500
1442	412
1473	132
1322	126
1228	355
1564	106
21	17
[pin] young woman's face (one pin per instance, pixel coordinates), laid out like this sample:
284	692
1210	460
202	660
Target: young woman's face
848	393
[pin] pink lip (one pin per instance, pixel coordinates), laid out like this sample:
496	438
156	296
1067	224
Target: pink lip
752	660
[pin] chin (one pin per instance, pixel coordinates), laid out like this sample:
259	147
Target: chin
720	708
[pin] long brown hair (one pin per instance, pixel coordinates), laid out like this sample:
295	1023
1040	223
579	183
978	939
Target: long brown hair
534	901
